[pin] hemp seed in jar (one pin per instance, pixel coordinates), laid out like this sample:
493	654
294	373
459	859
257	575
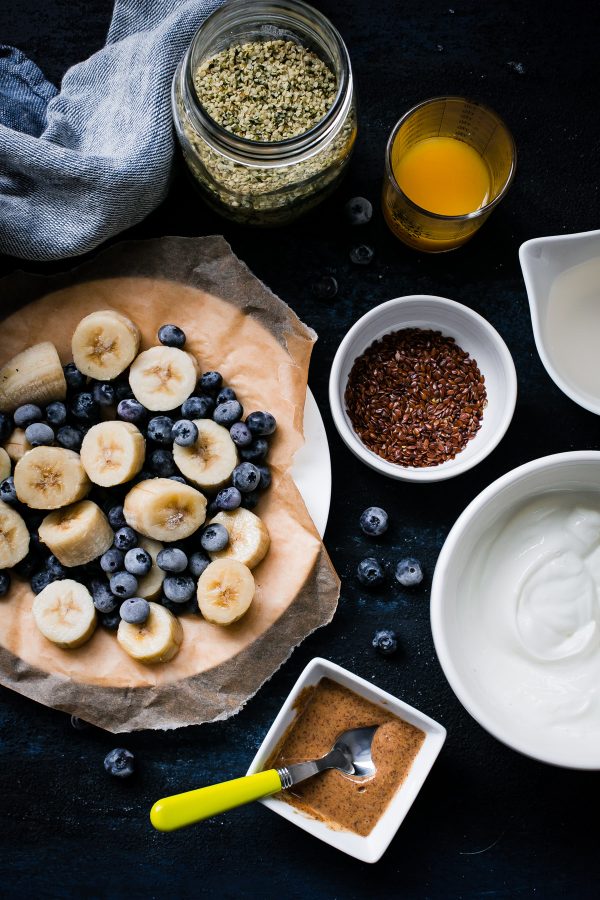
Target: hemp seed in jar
266	121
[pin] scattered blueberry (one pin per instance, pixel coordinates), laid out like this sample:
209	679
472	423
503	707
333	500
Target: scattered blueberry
56	568
27	414
257	450
175	608
135	610
40	580
325	287
56	413
104	393
385	641
261	423
162	463
226	394
179	588
250	500
374	521
7	490
116	517
184	433
228	413
265	477
178	478
172	559
124	585
358	211
27	566
131	410
125	538
240	434
143	476
6	427
370	572
361	255
75	379
123	390
111	620
409	572
211	381
245	477
214	537
228	499
119	763
5	583
112	561
212	509
38	434
69	437
159	429
198	563
197	407
84	407
79	724
104	599
171	336
138	562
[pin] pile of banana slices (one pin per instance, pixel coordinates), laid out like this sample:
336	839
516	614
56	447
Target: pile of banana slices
71	488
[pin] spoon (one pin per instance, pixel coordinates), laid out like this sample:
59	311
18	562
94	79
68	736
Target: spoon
350	754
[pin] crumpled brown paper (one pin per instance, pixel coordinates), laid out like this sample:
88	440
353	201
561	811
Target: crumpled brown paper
236	325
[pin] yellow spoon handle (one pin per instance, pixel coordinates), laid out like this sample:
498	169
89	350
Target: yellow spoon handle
179	810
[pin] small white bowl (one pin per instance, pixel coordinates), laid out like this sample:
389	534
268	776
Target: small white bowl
373	846
474	334
542	261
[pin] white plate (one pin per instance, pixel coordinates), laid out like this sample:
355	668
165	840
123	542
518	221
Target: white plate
311	469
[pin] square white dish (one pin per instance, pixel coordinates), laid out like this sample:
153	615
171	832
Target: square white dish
371	847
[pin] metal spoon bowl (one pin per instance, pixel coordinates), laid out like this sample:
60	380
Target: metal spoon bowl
350	754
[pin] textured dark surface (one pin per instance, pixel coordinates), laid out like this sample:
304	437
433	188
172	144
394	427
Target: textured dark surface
488	822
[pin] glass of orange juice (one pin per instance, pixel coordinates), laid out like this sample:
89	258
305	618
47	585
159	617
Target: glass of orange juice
449	162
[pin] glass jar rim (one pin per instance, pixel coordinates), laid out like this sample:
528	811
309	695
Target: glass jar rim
427	212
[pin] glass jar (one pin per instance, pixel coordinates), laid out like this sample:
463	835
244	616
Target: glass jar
255	182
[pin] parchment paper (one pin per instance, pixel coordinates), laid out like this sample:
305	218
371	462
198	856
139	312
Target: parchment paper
236	325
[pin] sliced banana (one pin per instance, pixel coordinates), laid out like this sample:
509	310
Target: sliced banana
225	591
5	464
77	534
157	640
113	453
161	378
17	445
14	537
164	510
149	586
33	376
50	477
211	460
104	344
65	614
249	539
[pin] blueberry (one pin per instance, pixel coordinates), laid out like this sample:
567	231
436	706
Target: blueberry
38	434
265	477
162	463
179	588
111	620
212	509
240	434
211	381
184	433
228	499
409	572
27	566
172	559
119	763
138	562
228	413
79	724
55	568
27	414
226	394
370	572
40	580
178	478
385	641
56	413
198	563
69	437
6	427
7	490
123	391
104	599
250	500
5	583
84	407
75	379
261	423
257	450
325	287
175	608
245	477
361	255
171	336
197	407
214	537
358	211
125	538
159	430
124	585
116	517
131	410
135	610
374	521
112	561
104	393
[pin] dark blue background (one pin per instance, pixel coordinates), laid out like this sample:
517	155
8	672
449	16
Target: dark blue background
488	822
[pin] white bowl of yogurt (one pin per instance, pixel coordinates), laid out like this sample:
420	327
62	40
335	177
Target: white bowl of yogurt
515	609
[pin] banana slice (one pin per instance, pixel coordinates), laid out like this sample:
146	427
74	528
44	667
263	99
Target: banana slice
225	591
163	377
104	344
5	464
249	539
50	477
157	640
150	585
211	460
17	445
65	614
78	534
14	537
33	376
113	452
164	510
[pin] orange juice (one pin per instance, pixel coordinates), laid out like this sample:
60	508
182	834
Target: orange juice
444	175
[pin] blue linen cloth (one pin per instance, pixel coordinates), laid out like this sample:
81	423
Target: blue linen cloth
81	164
